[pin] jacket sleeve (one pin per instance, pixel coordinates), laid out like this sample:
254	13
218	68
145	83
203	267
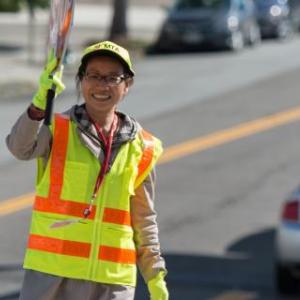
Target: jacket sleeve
29	139
144	221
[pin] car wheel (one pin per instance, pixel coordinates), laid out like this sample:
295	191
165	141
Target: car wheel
161	46
236	41
284	30
254	35
286	283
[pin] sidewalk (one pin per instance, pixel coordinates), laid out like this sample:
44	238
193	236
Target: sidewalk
91	22
140	19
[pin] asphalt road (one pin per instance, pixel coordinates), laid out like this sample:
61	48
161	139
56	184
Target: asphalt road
217	208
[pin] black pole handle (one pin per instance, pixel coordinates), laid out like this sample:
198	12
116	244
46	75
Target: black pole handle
49	107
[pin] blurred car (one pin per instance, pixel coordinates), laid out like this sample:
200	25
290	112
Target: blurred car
274	18
295	13
287	245
219	23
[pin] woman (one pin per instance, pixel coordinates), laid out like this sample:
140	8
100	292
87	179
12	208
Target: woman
93	218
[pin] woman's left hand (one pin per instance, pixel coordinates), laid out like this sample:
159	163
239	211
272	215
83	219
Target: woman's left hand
157	287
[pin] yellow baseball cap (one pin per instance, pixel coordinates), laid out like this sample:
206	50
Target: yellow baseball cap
110	48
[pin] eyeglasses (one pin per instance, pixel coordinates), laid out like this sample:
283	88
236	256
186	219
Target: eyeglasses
110	80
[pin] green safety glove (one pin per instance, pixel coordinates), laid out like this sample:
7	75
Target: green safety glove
157	287
47	81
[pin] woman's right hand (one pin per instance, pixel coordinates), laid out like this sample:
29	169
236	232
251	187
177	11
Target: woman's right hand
47	81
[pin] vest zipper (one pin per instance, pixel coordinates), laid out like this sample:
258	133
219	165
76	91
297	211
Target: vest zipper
95	244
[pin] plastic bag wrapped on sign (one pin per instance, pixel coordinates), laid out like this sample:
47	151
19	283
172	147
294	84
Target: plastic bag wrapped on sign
60	23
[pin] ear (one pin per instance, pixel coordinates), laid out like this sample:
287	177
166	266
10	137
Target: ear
128	83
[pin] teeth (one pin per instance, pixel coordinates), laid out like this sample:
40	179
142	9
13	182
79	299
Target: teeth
101	97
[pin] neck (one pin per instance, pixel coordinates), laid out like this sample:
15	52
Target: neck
104	120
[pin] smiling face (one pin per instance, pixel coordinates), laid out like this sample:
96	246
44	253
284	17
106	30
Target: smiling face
102	98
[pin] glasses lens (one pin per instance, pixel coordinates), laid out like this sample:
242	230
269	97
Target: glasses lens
92	78
111	80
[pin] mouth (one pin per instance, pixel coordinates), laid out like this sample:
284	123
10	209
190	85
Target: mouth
100	97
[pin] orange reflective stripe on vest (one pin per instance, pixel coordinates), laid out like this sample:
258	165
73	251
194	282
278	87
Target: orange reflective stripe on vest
80	249
107	241
53	203
147	152
64	207
116	216
117	255
58	157
53	245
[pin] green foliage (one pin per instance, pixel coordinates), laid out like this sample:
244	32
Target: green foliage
10	5
38	3
15	5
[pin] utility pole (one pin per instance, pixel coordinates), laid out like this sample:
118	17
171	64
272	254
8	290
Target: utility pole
31	32
118	29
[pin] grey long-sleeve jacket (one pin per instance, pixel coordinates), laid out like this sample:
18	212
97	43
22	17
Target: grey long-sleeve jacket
29	139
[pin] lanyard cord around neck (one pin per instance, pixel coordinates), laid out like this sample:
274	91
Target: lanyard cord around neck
107	155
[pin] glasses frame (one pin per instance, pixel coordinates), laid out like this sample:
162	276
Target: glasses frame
95	79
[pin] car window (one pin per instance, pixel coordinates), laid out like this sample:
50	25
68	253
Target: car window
244	5
187	4
239	3
262	3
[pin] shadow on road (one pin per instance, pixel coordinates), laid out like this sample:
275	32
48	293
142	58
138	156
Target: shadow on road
9	48
245	272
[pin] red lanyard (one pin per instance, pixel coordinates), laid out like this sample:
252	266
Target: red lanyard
107	154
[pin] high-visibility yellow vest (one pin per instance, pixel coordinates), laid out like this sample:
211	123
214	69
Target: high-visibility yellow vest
101	248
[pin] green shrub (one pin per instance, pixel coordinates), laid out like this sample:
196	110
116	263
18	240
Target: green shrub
15	5
10	5
39	3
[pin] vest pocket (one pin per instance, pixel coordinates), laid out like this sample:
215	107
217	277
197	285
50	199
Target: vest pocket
117	256
75	181
42	225
117	236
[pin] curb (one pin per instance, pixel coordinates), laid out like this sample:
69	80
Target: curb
17	89
10	286
11	295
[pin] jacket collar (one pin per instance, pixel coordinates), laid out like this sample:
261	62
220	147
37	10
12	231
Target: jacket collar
126	132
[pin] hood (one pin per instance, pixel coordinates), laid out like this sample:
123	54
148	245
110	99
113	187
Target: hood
191	15
127	131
